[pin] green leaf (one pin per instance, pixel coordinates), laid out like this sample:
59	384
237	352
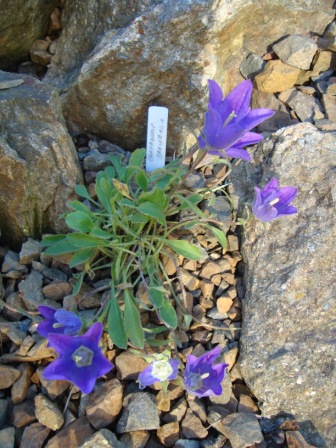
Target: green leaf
157	342
84	241
120	170
61	247
141	180
219	234
138	218
116	326
185	249
52	239
110	172
79	221
168	314
81	257
132	321
194	199
157	296
78	284
101	233
152	210
186	203
77	205
82	191
137	157
127	203
156	196
102	196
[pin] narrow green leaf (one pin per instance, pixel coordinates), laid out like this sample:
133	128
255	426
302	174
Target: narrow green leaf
84	241
116	326
61	247
82	191
81	257
52	239
156	196
127	203
194	199
157	342
101	233
120	170
78	284
138	218
185	249
110	172
77	205
137	157
79	221
219	234
132	321
102	196
141	180
186	202
157	297
168	314
152	210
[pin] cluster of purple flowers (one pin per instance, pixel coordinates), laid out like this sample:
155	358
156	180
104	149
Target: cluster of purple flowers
226	131
80	358
81	361
201	377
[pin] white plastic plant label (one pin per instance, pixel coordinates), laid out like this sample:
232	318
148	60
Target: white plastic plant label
156	137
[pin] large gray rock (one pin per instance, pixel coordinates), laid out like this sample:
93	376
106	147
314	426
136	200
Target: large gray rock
21	23
124	59
288	345
38	161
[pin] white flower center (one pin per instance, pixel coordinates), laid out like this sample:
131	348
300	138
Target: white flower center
274	201
161	370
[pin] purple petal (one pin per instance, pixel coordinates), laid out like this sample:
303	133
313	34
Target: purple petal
273	183
237	101
250	138
255	117
94	332
237	153
265	212
287	194
146	378
212	125
215	93
285	209
46	311
225	137
71	322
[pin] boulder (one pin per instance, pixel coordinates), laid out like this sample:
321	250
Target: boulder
288	349
38	161
21	23
113	61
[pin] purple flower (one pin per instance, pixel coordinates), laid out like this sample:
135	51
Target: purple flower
229	120
80	360
273	202
159	370
201	377
58	321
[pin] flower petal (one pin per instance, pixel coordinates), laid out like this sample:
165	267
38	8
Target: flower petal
215	93
237	101
46	311
238	153
255	117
